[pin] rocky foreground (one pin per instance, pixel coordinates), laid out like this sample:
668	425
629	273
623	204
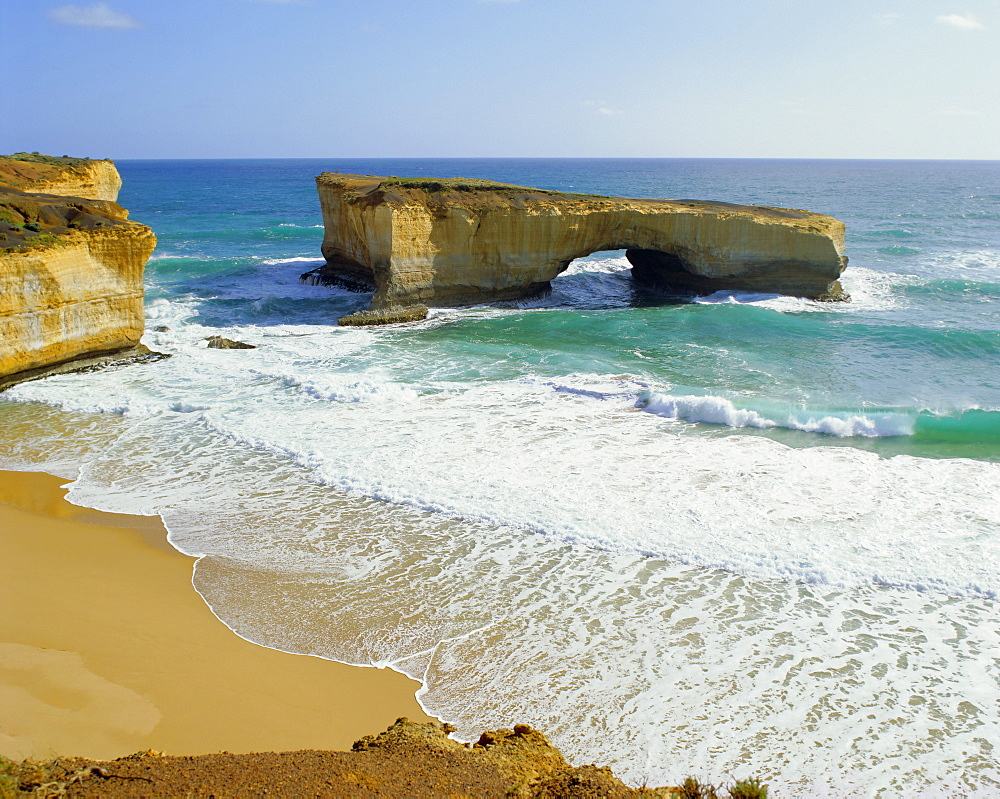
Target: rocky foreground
424	242
408	759
71	266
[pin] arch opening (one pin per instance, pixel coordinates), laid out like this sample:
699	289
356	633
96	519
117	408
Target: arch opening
668	272
630	276
606	279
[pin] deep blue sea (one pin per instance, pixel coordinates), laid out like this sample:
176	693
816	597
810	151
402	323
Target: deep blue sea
746	534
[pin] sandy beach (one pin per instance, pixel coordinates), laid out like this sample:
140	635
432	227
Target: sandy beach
106	649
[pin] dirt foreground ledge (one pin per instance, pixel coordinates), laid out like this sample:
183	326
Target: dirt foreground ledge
408	759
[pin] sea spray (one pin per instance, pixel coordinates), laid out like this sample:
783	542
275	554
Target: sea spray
722	411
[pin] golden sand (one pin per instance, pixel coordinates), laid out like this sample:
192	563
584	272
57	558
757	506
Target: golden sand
106	649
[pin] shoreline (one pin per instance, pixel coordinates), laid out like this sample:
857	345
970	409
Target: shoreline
107	649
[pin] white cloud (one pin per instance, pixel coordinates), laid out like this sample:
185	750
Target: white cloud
601	108
966	22
99	15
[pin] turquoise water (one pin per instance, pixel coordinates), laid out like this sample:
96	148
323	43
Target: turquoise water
922	340
746	533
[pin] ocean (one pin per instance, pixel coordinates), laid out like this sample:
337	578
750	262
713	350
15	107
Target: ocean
739	535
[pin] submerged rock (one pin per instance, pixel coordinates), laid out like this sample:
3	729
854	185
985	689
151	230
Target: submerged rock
385	316
448	242
220	343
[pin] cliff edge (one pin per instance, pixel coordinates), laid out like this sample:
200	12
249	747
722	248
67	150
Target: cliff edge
71	268
69	177
423	242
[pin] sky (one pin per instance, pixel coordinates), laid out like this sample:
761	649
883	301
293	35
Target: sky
502	78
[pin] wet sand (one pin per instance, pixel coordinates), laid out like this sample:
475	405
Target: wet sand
106	649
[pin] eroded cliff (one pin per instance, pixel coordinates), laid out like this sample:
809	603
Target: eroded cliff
421	242
68	177
71	280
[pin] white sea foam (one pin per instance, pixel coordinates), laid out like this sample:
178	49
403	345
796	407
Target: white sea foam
719	410
870	290
761	614
331	389
540	549
188	407
977	265
562	464
61	391
300	259
680	667
611	263
736	298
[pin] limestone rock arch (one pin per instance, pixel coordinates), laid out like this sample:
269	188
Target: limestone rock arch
421	242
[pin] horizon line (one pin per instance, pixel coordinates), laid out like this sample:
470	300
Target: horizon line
539	158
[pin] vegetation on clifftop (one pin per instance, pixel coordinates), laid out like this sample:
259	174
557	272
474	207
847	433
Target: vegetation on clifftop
456	184
432	185
28	221
55	160
468	185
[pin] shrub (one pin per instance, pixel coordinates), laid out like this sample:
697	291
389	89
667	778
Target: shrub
9	783
748	789
693	789
751	788
39	158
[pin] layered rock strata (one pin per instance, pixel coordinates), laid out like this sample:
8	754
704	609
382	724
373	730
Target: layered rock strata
65	176
71	279
421	242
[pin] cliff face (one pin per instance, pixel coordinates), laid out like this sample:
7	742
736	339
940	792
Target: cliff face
455	242
71	281
67	177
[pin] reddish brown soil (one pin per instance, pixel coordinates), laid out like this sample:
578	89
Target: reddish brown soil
408	759
29	219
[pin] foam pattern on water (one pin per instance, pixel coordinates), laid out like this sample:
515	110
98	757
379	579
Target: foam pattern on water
38	437
822	691
569	460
